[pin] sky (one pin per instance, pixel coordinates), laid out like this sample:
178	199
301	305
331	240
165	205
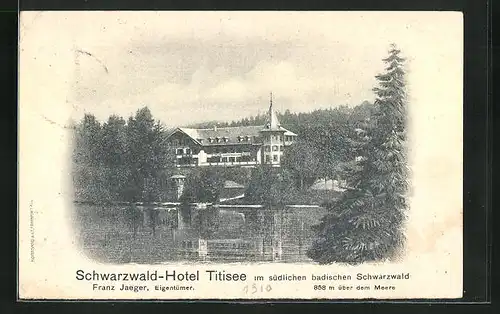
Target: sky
199	66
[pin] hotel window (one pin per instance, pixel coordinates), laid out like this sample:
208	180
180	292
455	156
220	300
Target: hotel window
224	159
279	138
267	158
188	151
267	149
275	148
179	151
231	159
281	148
275	157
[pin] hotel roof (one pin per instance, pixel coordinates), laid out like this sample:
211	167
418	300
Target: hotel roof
236	135
227	135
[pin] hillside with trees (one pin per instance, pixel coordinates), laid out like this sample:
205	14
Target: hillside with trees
295	122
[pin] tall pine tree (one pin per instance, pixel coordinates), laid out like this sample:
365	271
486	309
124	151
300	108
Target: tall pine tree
366	223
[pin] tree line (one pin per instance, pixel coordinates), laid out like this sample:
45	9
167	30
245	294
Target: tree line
296	122
120	160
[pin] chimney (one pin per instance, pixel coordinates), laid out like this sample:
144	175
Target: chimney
215	127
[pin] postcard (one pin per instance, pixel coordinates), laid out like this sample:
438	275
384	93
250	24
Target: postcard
245	155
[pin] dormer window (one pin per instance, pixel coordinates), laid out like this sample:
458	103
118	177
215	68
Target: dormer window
217	139
247	138
225	139
200	140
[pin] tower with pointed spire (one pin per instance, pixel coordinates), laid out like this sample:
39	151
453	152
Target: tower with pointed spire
273	138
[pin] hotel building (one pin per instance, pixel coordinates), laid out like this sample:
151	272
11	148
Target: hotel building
243	146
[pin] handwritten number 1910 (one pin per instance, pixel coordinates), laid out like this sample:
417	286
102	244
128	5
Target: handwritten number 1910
253	289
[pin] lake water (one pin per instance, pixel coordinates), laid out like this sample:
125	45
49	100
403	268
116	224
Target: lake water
106	234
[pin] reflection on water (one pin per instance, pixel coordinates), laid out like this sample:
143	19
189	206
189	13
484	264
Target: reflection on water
117	234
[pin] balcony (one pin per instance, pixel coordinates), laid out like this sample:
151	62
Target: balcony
230	154
231	163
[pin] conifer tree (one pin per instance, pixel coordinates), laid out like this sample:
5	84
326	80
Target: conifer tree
147	154
366	223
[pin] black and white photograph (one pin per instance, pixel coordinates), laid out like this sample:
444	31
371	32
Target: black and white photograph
311	140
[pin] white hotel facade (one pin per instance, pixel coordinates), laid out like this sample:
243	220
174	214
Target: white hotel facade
244	146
